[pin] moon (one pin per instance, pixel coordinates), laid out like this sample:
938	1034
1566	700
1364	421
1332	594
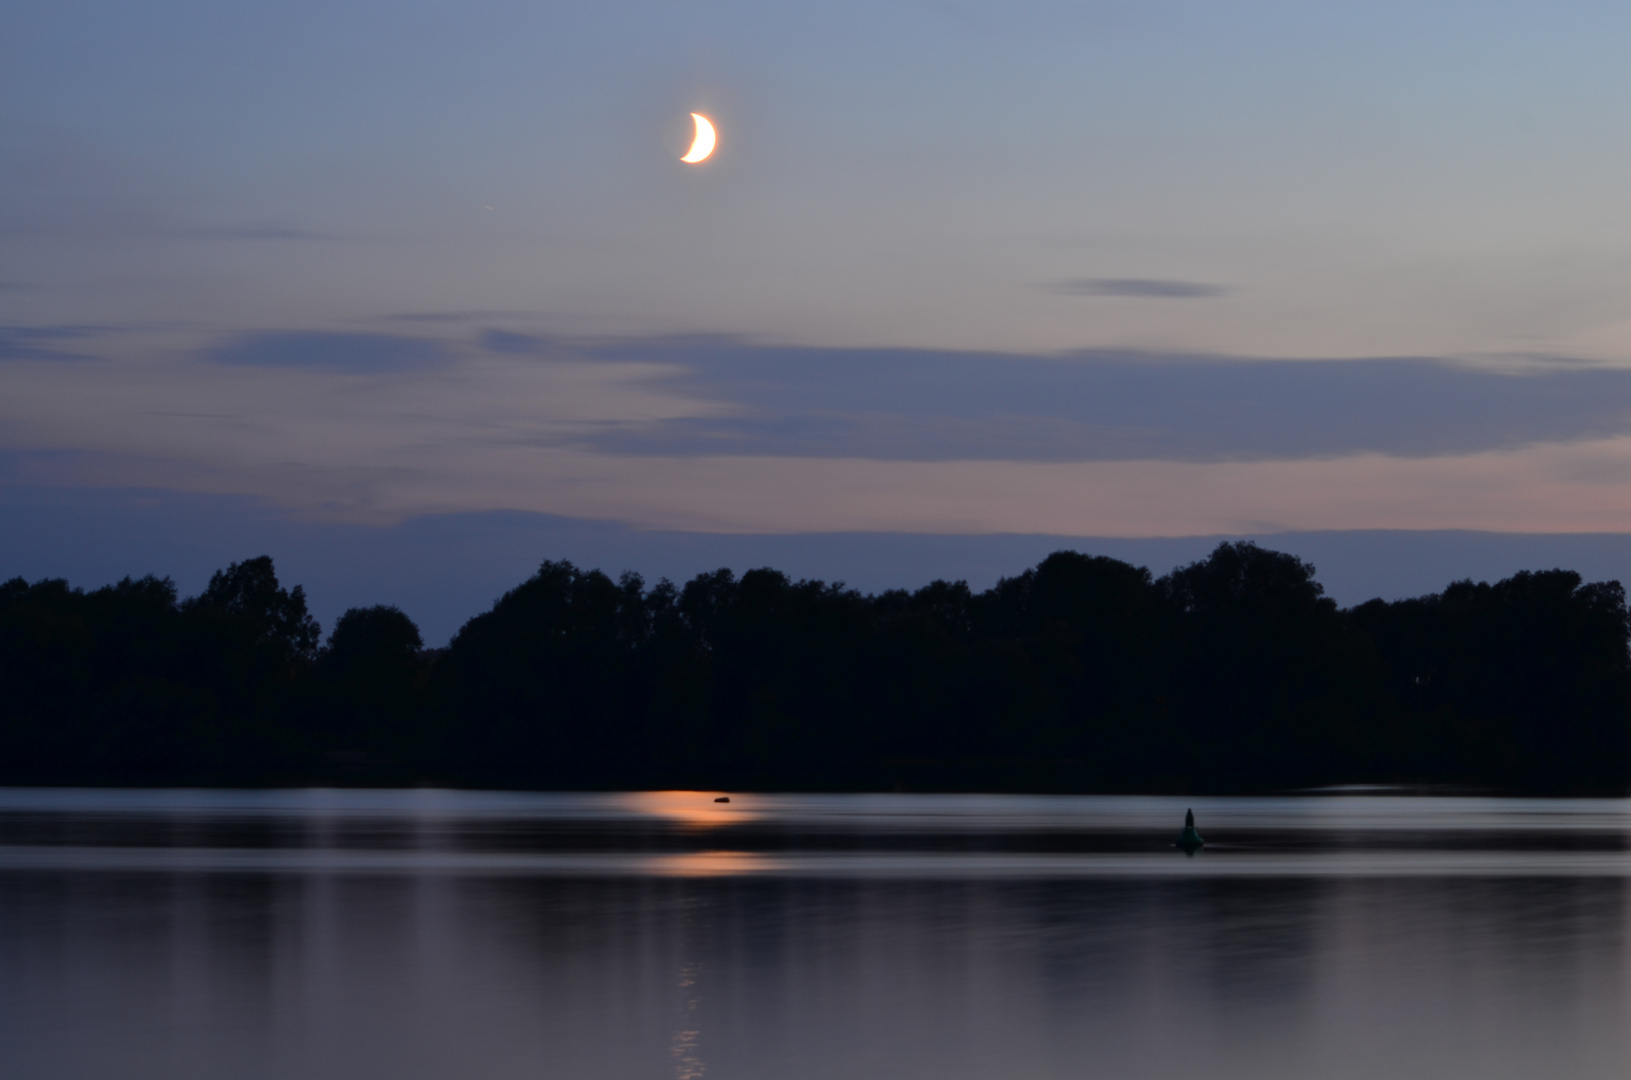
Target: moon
703	144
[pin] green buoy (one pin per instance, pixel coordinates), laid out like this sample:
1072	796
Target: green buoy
1189	840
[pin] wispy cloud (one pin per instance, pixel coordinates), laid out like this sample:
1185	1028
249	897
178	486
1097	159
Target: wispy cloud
40	342
1146	288
351	353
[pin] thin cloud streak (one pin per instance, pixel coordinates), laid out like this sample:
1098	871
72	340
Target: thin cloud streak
1542	489
266	231
39	343
1550	489
1141	288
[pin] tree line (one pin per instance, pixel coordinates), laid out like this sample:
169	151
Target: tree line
1084	673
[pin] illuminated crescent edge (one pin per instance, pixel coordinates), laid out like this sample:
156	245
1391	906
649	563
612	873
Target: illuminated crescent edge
703	144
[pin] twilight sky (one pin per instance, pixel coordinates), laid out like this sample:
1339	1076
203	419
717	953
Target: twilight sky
1125	269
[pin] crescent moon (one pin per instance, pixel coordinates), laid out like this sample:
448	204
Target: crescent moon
703	144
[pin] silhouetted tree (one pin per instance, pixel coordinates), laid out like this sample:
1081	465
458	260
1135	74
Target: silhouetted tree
1521	682
1235	672
249	591
367	693
1271	682
544	684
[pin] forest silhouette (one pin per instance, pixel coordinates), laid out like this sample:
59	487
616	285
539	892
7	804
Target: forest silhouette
1084	673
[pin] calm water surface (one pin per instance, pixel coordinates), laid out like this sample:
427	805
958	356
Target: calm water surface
408	935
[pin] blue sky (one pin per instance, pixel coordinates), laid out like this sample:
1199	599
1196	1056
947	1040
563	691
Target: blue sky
1123	270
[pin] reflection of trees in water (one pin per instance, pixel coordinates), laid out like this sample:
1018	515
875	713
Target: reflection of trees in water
806	975
314	975
975	971
1240	942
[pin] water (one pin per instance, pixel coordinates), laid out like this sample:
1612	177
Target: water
411	935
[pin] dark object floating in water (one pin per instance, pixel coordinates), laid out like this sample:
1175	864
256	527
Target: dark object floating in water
723	798
1190	840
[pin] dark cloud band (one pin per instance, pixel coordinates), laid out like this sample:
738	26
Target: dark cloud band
1104	405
